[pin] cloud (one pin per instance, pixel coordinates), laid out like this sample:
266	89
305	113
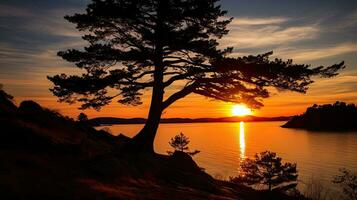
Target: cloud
32	39
287	39
12	11
309	54
34	57
54	24
29	20
266	32
348	21
257	21
269	36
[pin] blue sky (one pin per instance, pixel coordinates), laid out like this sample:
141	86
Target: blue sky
318	32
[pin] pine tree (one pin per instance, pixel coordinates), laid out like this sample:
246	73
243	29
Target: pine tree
138	44
266	168
180	143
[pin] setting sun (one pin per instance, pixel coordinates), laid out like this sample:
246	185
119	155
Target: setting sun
241	110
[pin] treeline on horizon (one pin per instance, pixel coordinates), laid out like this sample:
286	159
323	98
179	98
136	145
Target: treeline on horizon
113	120
338	116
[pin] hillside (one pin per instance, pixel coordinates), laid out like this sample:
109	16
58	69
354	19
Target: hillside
45	155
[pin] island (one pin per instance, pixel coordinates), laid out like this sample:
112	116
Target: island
339	116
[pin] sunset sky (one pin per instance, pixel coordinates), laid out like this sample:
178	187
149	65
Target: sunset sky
317	32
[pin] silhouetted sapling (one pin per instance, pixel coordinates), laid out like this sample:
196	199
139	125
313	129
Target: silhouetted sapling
348	182
82	117
154	44
267	169
180	143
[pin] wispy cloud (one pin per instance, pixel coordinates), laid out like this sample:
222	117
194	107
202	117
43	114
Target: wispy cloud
248	33
54	24
257	21
50	22
260	37
309	54
285	38
12	11
348	21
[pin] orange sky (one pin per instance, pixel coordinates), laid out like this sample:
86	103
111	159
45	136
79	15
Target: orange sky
32	35
194	106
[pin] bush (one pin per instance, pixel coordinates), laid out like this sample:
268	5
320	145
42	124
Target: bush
348	182
267	169
82	117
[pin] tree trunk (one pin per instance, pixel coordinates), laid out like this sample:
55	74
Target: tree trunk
144	140
270	188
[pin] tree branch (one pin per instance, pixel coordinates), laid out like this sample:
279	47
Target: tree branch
180	94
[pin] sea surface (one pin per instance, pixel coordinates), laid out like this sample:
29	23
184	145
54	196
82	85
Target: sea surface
319	155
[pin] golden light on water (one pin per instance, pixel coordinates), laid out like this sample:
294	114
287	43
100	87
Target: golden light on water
242	140
241	110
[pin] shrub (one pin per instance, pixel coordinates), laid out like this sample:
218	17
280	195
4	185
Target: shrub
267	169
348	182
82	117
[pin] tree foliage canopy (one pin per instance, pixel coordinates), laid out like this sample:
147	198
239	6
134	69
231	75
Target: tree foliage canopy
138	44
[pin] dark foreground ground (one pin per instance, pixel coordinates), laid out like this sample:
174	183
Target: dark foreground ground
44	155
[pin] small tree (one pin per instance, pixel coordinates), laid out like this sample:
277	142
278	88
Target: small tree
348	182
82	117
180	143
267	169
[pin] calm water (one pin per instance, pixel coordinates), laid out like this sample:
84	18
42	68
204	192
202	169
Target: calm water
318	155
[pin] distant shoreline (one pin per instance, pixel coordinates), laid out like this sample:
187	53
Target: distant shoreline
105	121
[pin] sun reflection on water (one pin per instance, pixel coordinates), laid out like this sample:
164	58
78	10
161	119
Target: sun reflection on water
242	140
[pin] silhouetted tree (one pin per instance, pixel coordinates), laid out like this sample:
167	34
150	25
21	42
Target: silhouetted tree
180	143
135	45
266	168
82	117
348	182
